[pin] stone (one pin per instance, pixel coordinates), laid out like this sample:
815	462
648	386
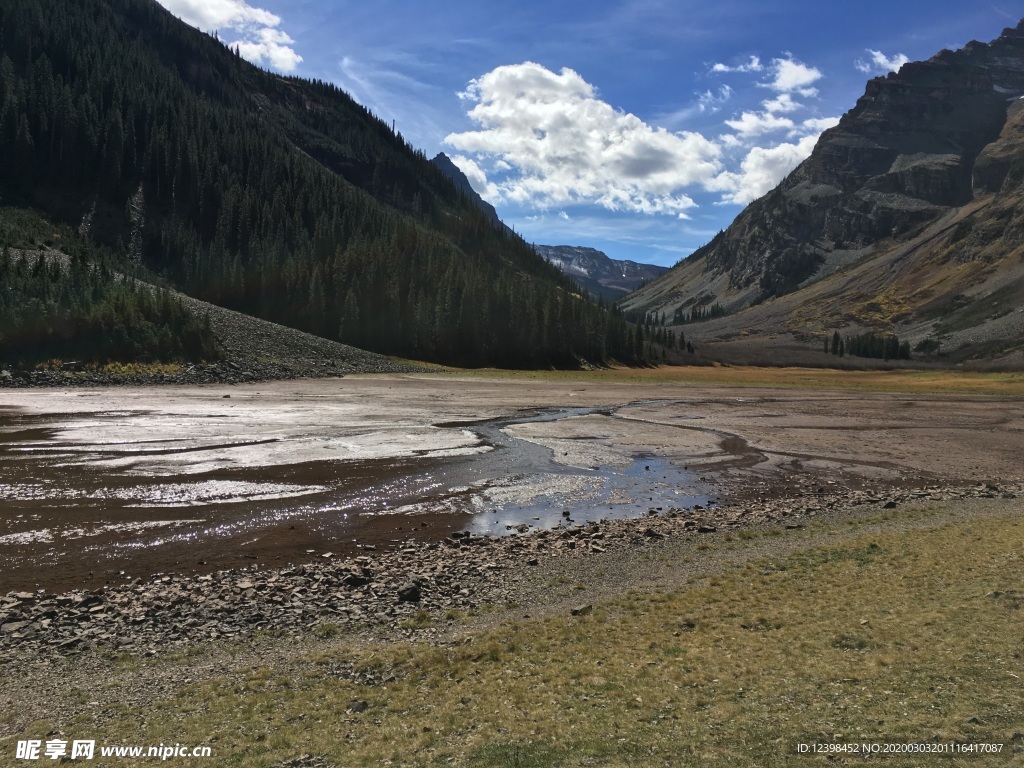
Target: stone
410	592
582	610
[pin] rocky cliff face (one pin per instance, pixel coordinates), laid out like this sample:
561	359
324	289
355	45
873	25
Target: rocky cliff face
453	172
920	145
597	272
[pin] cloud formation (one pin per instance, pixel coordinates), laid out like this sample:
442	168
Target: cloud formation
754	65
751	124
710	101
762	169
260	41
545	140
878	63
567	146
791	76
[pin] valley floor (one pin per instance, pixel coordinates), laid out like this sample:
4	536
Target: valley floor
859	580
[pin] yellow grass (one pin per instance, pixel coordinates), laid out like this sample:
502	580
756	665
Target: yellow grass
901	381
895	638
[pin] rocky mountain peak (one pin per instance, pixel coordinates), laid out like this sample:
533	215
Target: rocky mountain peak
918	145
461	181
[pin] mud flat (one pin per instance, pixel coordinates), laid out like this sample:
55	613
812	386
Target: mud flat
103	486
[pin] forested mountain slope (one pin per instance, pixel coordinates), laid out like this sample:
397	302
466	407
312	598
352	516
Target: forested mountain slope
270	195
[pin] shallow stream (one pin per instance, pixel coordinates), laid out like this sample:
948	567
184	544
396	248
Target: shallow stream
77	512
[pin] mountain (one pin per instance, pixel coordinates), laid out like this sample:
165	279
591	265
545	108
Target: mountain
444	164
601	276
598	273
278	197
907	219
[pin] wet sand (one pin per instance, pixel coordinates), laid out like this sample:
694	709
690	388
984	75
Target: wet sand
102	485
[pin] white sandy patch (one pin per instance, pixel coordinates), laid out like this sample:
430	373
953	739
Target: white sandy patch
42	536
565	439
247	451
136	527
169	495
526	491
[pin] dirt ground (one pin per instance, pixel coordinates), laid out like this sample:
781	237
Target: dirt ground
746	443
141	468
368	417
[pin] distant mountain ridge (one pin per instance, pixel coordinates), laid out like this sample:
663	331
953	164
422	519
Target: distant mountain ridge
598	273
907	218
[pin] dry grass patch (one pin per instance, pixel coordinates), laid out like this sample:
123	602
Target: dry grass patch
899	381
901	637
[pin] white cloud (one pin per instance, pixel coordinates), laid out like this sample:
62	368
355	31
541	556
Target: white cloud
751	124
477	178
816	125
762	170
791	76
712	102
272	46
218	14
754	65
782	103
261	41
879	63
566	146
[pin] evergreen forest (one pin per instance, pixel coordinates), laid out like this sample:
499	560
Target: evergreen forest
274	196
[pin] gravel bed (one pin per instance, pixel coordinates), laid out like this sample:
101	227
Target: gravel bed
393	590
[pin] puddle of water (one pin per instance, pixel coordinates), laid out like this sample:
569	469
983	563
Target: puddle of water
613	494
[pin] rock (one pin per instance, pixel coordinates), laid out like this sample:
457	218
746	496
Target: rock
706	528
356	580
410	593
358	706
582	610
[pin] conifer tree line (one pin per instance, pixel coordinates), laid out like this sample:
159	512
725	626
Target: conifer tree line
274	196
82	311
697	314
868	344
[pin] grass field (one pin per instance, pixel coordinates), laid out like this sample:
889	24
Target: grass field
900	381
898	637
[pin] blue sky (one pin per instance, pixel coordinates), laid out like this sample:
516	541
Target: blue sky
637	127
